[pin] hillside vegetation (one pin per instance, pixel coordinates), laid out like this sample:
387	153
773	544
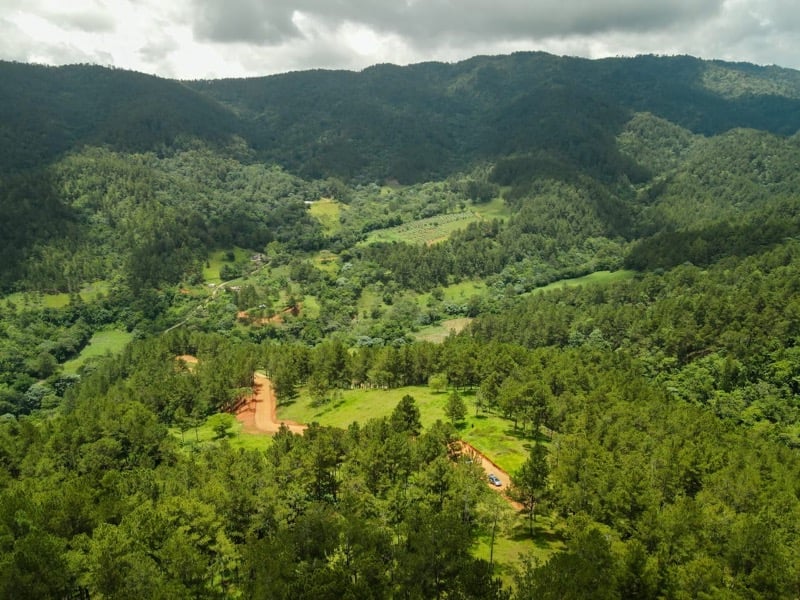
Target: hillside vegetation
586	269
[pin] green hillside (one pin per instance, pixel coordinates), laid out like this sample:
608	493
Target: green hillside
588	270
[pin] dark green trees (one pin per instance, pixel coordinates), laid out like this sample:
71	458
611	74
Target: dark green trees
530	482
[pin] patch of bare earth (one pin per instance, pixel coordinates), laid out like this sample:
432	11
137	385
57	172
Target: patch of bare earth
277	318
259	414
490	467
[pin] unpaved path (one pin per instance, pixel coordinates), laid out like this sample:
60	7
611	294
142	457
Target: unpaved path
259	414
491	467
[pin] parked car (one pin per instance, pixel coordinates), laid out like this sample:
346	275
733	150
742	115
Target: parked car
493	479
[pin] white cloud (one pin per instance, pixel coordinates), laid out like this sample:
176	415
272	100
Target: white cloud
216	38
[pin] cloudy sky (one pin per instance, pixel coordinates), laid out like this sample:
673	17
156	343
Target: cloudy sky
191	39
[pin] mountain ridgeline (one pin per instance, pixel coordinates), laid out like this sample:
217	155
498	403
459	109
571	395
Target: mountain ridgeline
657	160
410	123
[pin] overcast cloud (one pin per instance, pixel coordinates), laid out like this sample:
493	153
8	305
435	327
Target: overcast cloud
233	38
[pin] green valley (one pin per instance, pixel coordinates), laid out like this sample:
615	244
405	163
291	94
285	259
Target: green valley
586	270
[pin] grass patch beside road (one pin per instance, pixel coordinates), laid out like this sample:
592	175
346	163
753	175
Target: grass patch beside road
204	435
491	434
107	341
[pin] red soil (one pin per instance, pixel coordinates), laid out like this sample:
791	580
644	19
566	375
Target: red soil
491	467
243	315
259	414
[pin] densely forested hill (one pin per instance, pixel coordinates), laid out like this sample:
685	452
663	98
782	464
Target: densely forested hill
406	123
450	115
46	111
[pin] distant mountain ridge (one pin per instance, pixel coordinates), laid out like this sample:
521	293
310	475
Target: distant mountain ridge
409	123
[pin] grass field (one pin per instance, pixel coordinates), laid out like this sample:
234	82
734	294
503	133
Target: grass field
457	293
204	435
514	542
327	261
592	278
491	434
215	261
88	293
109	341
310	307
496	209
440	331
424	231
327	211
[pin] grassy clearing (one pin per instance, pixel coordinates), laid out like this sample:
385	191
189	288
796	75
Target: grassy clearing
310	307
496	438
489	433
327	211
218	258
326	261
363	405
26	300
598	277
513	542
204	435
424	231
456	293
460	292
439	332
496	209
109	341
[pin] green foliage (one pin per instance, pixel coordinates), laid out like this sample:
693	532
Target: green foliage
650	417
530	481
405	416
455	409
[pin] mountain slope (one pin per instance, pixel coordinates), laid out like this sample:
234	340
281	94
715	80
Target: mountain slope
46	111
387	122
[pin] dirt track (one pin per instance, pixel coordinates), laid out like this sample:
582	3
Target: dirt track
260	413
491	467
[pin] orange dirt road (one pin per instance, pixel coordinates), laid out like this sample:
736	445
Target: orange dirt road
491	467
259	414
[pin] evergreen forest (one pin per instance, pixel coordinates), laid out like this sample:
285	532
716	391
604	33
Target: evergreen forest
528	327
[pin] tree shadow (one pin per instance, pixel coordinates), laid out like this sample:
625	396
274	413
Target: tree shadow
526	435
542	536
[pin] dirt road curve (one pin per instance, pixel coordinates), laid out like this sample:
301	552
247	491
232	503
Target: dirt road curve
260	413
490	467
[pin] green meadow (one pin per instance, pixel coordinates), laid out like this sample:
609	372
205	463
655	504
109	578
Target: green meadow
424	231
441	330
89	292
107	341
204	435
327	211
217	259
491	434
598	277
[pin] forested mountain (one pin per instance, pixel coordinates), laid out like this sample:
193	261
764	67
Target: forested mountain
406	123
46	111
588	268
